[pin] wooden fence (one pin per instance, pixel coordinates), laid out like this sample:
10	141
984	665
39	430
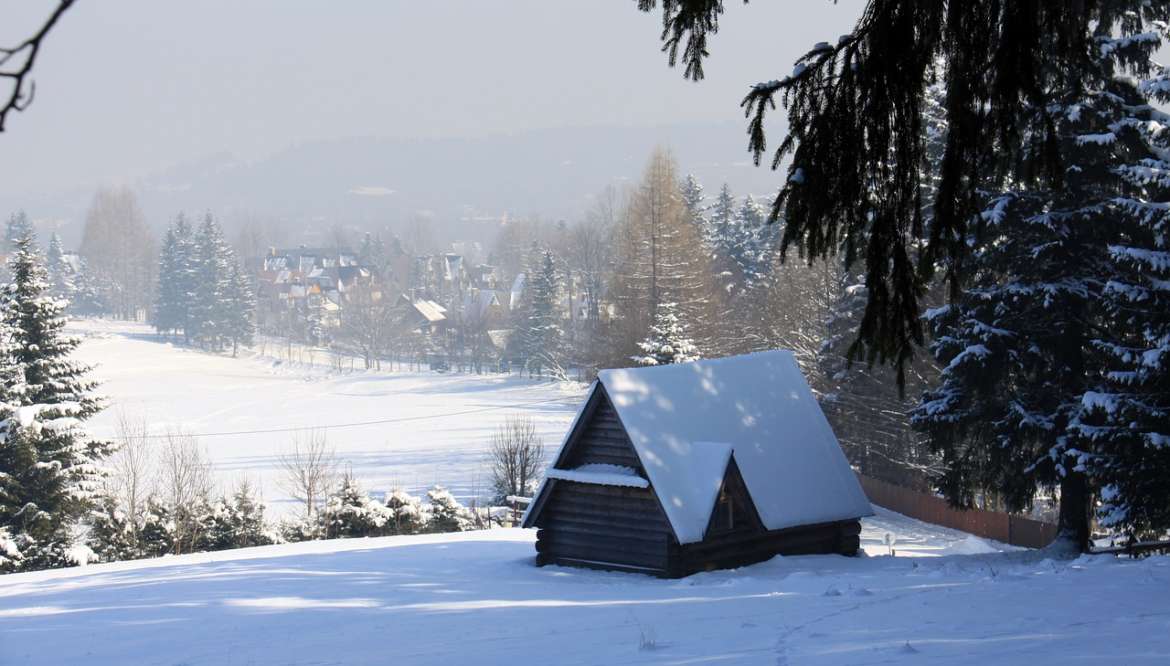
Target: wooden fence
1004	527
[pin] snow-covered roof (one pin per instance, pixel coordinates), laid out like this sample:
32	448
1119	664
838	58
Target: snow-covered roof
430	310
687	420
601	475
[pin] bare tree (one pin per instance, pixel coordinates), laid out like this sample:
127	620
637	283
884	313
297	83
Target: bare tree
119	248
186	484
131	482
310	469
517	456
18	71
367	322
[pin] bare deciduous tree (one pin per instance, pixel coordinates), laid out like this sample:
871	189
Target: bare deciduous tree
517	456
119	249
309	469
131	482
185	476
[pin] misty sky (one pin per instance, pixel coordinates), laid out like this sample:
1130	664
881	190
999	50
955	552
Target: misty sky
128	87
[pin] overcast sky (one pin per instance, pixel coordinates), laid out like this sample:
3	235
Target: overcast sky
127	87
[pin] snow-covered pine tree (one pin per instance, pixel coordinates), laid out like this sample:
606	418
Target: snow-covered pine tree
349	512
446	513
19	226
406	514
170	304
247	518
667	341
544	336
51	466
62	281
1018	349
111	534
239	307
1125	418
158	529
721	221
746	239
694	201
211	276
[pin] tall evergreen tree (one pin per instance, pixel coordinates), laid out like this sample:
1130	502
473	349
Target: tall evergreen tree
1125	416
50	467
169	300
721	221
694	201
543	333
1018	349
19	226
209	319
239	307
62	281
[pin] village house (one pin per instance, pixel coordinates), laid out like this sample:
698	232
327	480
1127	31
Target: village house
675	469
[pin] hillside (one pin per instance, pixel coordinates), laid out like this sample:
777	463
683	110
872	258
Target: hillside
475	598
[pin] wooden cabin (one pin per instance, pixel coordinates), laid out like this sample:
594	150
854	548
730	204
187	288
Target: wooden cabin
675	469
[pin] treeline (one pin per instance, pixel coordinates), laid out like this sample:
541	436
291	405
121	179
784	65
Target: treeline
203	292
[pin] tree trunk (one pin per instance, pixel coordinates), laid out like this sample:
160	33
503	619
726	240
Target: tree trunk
1073	524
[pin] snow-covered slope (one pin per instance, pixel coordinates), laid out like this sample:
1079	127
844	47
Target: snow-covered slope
439	434
476	598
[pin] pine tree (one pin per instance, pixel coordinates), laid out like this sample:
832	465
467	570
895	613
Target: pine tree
721	222
209	318
158	529
695	202
446	514
1125	415
667	342
406	514
50	465
349	511
177	279
239	308
111	534
1018	349
170	303
19	226
62	281
537	336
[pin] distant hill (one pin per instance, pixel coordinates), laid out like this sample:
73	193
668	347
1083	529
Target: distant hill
368	182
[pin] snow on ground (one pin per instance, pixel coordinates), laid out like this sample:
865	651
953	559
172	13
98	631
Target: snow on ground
476	598
441	436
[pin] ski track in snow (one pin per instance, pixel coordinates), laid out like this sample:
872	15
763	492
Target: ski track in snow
476	598
177	388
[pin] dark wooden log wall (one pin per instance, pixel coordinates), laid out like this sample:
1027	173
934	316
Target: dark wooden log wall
737	549
603	440
589	524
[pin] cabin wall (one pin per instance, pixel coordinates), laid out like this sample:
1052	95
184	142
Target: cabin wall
603	525
736	549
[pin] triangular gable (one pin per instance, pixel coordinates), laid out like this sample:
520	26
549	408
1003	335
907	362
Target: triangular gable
576	448
734	509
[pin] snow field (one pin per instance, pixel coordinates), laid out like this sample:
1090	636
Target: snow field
439	434
476	598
